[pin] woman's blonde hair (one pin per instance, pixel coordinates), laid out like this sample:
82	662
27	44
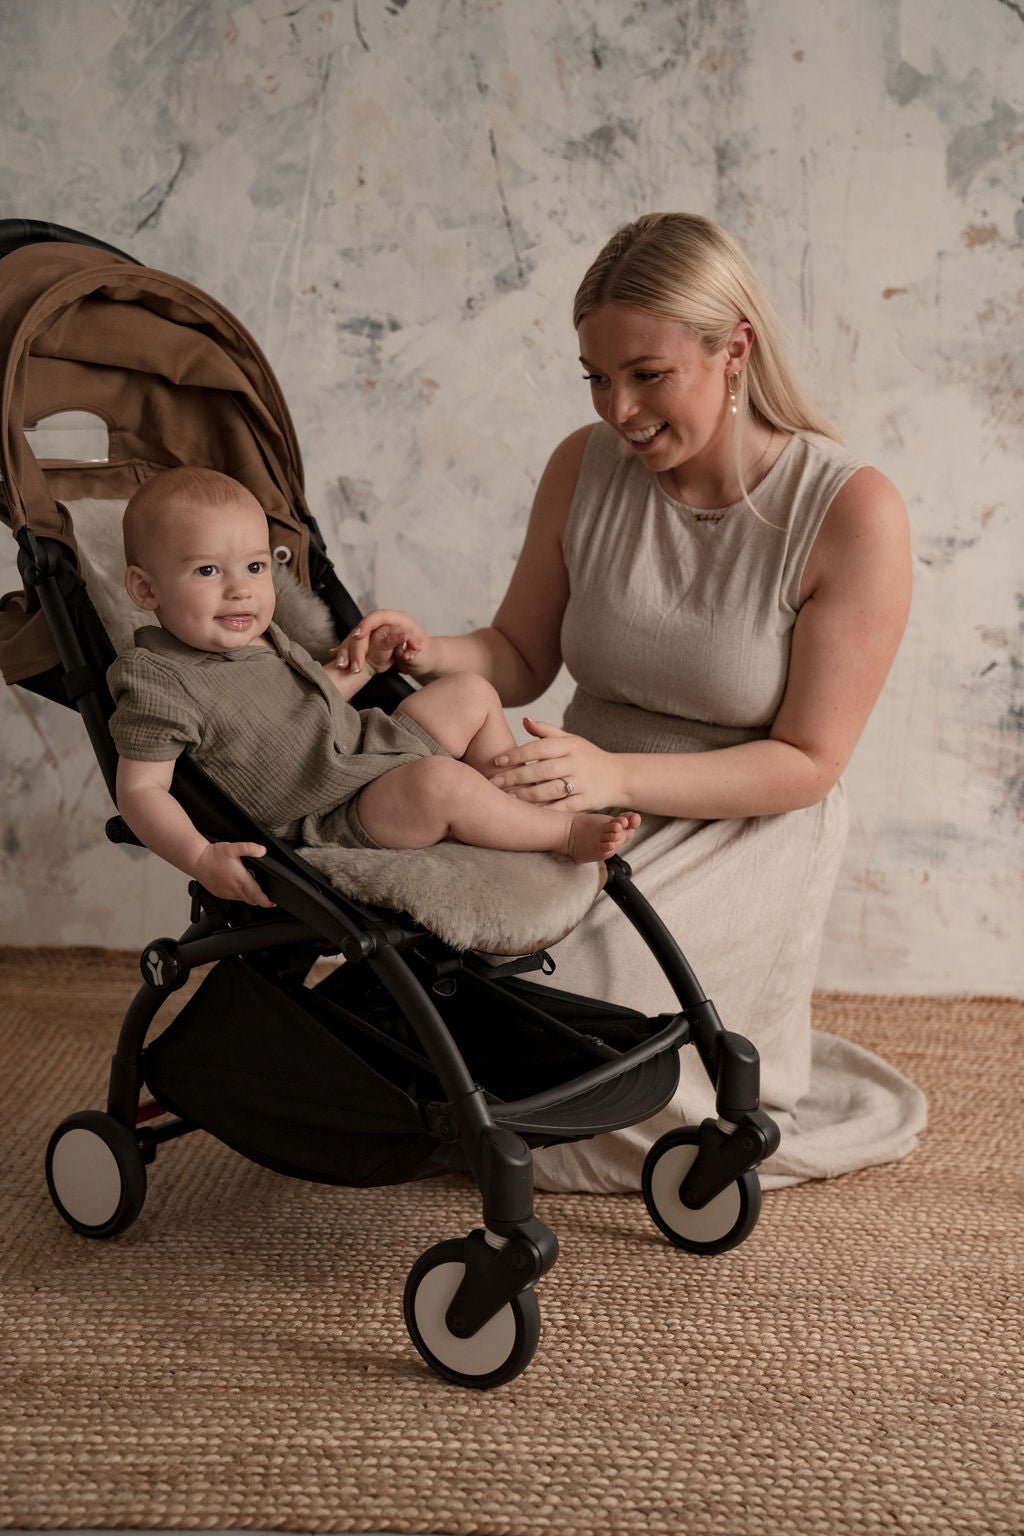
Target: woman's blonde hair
684	267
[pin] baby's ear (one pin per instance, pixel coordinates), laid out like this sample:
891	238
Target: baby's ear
140	587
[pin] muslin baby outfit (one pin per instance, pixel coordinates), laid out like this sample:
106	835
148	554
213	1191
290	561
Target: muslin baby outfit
677	633
268	726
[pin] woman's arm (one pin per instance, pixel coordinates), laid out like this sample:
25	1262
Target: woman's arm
856	599
520	652
528	623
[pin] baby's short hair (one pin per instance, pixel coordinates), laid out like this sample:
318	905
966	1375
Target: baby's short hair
187	487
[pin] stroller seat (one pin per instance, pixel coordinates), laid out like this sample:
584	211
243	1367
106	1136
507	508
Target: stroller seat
473	898
426	1049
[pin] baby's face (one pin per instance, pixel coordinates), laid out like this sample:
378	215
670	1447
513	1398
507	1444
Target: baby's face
208	575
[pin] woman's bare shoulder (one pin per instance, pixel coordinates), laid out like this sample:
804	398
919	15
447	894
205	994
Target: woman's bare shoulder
568	455
557	484
866	505
866	525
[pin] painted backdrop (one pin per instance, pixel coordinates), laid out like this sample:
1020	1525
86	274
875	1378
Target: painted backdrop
398	197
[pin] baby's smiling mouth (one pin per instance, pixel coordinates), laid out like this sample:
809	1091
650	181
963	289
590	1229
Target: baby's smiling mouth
235	620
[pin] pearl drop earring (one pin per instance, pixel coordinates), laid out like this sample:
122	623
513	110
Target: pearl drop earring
730	385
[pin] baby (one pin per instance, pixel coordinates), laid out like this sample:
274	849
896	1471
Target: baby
220	681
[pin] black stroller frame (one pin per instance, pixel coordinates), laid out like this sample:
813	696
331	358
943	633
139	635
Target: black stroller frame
470	1304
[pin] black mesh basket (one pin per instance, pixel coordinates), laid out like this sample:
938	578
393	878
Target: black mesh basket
330	1083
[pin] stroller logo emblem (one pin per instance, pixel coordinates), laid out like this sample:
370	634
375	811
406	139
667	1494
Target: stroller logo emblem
155	966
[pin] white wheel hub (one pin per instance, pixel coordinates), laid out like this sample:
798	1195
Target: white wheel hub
707	1225
86	1177
486	1351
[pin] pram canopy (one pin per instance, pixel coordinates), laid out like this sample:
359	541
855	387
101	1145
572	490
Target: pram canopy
174	376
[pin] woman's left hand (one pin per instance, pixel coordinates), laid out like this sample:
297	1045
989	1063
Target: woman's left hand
559	769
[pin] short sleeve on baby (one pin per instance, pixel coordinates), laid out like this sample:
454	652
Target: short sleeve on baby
154	719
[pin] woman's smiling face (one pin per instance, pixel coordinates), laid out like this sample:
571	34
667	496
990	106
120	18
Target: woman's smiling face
652	380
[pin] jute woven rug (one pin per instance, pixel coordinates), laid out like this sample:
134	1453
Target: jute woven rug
238	1359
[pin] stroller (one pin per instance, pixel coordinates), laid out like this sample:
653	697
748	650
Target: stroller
415	1055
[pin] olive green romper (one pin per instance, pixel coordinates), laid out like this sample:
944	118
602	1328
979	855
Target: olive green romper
266	725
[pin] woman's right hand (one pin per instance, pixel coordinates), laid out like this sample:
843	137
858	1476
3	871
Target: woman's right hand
413	656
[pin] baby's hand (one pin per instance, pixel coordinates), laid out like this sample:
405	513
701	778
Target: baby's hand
380	651
220	868
382	648
402	646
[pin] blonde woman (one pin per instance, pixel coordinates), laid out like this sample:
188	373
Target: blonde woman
728	587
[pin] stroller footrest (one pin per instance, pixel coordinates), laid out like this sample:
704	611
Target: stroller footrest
633	1095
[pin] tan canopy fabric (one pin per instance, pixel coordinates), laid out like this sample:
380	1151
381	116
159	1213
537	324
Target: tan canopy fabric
175	378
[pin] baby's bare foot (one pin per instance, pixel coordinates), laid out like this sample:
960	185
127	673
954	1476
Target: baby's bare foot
593	838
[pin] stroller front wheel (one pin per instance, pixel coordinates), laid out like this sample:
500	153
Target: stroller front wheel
95	1173
721	1224
496	1353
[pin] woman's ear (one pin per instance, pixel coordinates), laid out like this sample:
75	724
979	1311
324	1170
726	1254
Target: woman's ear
740	344
140	588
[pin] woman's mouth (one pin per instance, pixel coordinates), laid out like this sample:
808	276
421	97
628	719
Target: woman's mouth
645	436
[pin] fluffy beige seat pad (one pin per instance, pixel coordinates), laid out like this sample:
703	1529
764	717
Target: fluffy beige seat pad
473	898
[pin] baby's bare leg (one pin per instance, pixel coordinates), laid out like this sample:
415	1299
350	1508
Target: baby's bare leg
463	712
422	803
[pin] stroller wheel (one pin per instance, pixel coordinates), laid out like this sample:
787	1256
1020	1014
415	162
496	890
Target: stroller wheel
496	1353
95	1173
723	1223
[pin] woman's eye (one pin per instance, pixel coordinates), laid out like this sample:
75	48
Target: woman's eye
597	379
647	378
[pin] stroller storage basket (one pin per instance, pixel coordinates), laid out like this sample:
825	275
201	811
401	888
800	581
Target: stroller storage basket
330	1084
265	1072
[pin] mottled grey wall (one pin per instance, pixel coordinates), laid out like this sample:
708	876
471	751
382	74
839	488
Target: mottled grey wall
398	197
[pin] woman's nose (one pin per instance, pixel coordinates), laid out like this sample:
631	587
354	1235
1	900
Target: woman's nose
620	404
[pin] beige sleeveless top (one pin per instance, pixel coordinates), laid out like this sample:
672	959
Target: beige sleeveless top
678	626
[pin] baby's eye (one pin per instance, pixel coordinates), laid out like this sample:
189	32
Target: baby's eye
206	570
257	567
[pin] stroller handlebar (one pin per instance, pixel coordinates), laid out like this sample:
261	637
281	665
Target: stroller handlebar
14	233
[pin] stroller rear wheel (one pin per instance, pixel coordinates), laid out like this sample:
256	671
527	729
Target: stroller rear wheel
496	1353
95	1173
721	1224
